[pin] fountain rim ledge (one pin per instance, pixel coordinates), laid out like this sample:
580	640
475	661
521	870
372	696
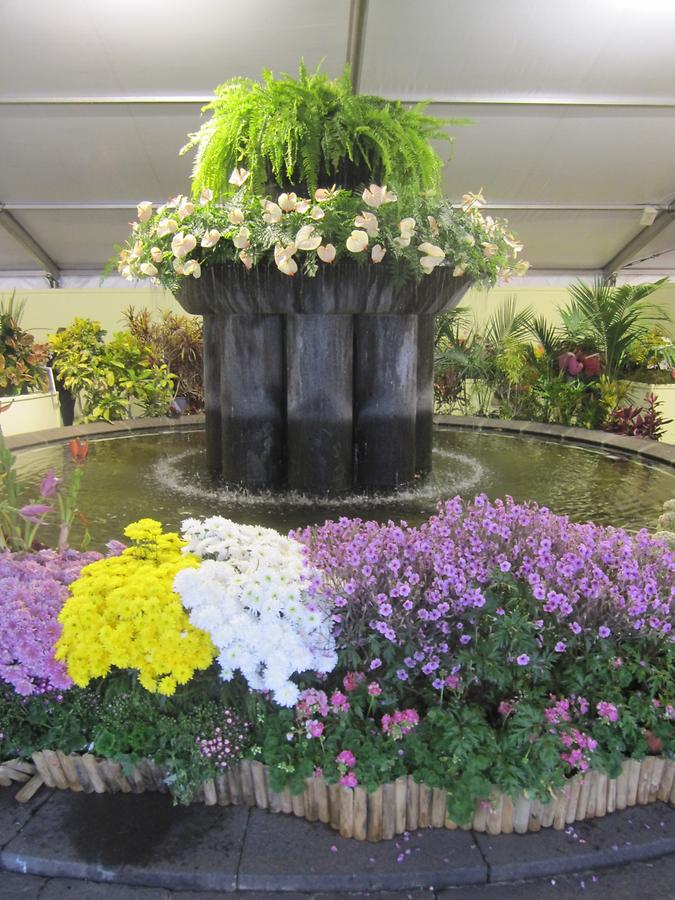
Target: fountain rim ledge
642	448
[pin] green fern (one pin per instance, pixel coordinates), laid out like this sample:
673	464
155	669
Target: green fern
313	131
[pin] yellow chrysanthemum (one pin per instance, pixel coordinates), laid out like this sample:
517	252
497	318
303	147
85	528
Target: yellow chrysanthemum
123	613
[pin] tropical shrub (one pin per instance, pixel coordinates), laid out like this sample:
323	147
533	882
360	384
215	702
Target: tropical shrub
22	360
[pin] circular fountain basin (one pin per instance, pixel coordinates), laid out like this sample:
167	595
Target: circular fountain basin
162	475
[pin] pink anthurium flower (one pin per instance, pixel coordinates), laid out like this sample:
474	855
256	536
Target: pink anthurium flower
434	257
182	244
326	254
377	253
357	241
238	176
323	194
368	222
192	267
272	213
317	213
166	226
283	257
185	209
307	238
375	195
144	210
246	258
473	201
178	266
235	216
211	238
241	240
303	205
288	202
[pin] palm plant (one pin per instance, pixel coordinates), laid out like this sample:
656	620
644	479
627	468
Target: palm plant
313	131
611	318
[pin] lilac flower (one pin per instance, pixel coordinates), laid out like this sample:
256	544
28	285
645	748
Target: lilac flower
346	758
49	484
607	711
523	659
560	647
603	631
375	664
34	512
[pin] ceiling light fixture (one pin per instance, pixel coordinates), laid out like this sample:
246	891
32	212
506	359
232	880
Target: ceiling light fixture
648	215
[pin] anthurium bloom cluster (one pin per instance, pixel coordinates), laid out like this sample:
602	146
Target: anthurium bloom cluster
33	588
291	234
123	614
251	596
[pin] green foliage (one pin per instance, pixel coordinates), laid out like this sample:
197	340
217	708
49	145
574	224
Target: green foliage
177	342
609	319
109	377
313	131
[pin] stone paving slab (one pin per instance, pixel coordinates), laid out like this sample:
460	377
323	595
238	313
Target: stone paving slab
633	834
67	889
285	853
20	887
141	840
13	815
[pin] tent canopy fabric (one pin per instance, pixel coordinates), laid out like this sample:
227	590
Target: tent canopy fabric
572	108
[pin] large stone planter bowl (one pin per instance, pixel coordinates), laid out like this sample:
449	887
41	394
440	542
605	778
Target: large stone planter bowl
319	385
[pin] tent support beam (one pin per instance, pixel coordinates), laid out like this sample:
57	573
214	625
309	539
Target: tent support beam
31	246
630	250
358	13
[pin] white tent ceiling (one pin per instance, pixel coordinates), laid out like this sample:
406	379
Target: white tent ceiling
573	109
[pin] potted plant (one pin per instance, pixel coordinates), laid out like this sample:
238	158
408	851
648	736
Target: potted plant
24	377
318	248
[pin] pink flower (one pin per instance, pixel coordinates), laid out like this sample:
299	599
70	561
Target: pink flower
34	512
346	758
607	711
505	708
349	780
352	680
339	702
314	728
49	483
374	689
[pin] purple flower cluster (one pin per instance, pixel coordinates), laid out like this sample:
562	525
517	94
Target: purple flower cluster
426	587
33	588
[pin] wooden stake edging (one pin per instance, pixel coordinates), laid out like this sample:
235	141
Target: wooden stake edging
395	807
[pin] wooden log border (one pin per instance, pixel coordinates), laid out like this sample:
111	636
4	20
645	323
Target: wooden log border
403	805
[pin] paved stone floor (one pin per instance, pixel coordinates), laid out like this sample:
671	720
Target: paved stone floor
93	847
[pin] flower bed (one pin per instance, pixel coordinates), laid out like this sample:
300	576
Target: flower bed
492	659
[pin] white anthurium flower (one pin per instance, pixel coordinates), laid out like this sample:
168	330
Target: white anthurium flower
166	226
241	240
357	241
473	201
185	209
137	250
377	253
205	196
458	271
402	241
283	257
135	226
246	258
273	213
211	238
489	249
182	244
178	266
303	205
368	222
174	201
433	225
326	254
236	216
511	242
238	176
287	202
323	194
125	272
144	210
407	227
147	268
307	238
435	256
316	213
156	254
375	196
521	268
193	268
